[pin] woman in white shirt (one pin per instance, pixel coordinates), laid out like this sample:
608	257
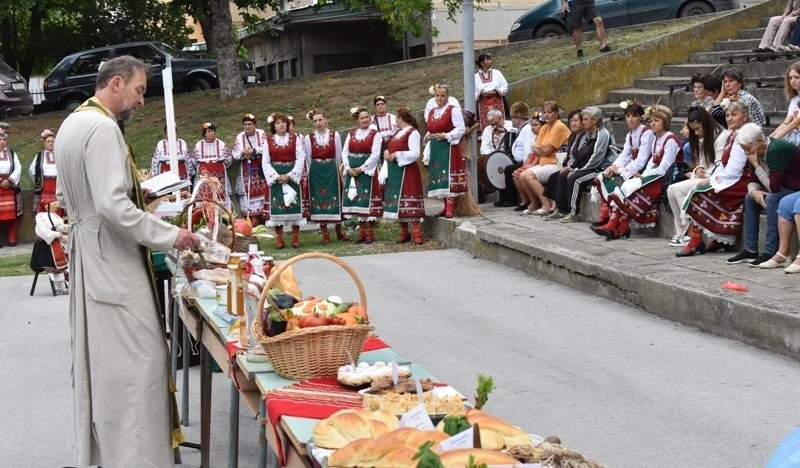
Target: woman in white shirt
44	174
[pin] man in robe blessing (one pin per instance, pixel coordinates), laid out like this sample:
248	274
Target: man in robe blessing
124	413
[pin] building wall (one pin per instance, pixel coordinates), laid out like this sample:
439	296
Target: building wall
492	23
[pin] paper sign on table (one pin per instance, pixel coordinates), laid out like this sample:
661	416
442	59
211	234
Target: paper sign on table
461	440
418	418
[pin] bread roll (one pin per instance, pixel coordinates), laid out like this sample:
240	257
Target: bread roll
460	457
495	432
380	453
416	437
348	425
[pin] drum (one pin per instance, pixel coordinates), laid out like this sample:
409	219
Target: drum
493	170
484	184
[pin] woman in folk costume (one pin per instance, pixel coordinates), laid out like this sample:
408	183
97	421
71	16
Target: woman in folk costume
361	153
160	162
251	186
283	162
402	190
323	148
706	142
446	174
43	172
212	159
490	88
714	207
631	161
10	193
385	122
637	198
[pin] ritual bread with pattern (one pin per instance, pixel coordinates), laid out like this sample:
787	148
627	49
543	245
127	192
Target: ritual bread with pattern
347	425
460	457
495	432
416	437
378	453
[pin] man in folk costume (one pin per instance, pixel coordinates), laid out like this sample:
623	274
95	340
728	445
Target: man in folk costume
402	194
251	186
10	193
161	160
446	173
120	362
211	160
283	163
323	148
361	154
385	122
43	172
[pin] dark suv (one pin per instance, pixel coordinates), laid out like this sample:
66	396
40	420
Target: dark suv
72	81
15	98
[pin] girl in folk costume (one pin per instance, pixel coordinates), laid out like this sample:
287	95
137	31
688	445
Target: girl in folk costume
251	186
360	158
283	162
385	122
43	172
323	148
637	197
715	205
402	191
631	161
10	193
446	175
490	88
160	162
212	159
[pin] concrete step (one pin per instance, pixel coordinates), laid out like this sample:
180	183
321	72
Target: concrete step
736	44
772	99
750	69
722	56
662	83
756	33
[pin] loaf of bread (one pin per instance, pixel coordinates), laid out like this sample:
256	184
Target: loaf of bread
379	453
416	437
347	425
460	457
495	432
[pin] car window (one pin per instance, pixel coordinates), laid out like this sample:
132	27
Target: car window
142	52
6	70
88	64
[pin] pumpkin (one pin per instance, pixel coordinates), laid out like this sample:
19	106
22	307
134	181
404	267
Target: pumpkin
242	227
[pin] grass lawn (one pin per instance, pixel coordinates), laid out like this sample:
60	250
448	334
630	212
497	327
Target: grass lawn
18	265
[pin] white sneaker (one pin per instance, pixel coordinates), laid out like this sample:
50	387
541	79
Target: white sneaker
679	240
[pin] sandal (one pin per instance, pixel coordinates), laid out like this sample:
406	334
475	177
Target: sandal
794	267
542	212
772	263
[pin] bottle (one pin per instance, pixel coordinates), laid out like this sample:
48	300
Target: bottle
269	264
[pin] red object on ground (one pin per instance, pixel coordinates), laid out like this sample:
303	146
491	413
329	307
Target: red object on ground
730	285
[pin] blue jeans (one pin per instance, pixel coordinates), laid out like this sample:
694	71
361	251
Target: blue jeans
752	213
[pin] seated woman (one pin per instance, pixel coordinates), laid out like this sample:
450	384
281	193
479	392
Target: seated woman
707	140
788	221
594	155
789	129
524	197
715	205
632	160
574	141
551	137
637	198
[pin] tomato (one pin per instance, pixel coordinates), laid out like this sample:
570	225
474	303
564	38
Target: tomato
313	320
293	324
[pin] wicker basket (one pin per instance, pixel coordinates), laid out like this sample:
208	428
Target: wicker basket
316	351
224	236
242	244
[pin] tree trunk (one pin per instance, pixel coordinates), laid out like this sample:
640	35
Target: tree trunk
34	42
230	80
202	13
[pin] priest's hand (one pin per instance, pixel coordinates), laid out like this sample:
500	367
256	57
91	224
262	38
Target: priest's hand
186	240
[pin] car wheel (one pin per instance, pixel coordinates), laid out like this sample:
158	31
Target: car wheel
198	84
72	102
695	8
549	30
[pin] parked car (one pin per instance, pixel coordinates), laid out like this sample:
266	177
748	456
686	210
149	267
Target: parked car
15	98
72	81
545	20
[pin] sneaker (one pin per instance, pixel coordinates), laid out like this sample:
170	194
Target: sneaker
554	215
760	259
571	218
742	257
679	240
580	53
793	47
605	48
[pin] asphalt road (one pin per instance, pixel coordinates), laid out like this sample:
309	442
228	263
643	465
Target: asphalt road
621	386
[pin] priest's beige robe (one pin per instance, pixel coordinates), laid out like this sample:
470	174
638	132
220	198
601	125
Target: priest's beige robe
119	351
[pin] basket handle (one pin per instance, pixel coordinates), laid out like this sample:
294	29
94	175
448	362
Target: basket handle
188	209
276	273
